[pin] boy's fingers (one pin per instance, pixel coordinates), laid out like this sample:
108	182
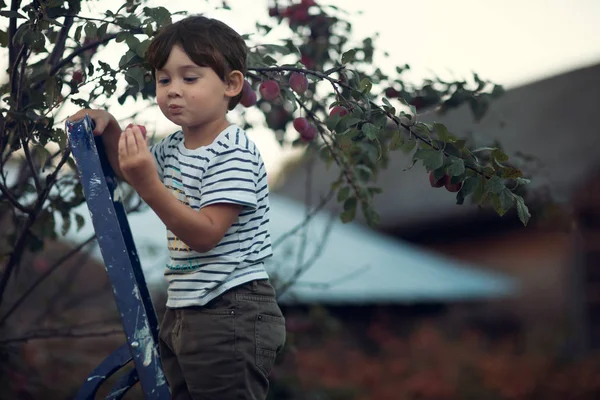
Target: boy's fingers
123	145
132	147
139	138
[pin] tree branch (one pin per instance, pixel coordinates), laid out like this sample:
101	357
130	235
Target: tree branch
12	30
43	277
395	119
310	215
19	247
76	53
34	174
61	42
57	334
9	196
301	269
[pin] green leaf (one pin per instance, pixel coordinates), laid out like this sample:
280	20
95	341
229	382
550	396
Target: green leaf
522	210
102	30
52	91
397	140
479	192
388	106
80	221
469	185
452	150
161	15
132	42
343	194
370	130
348	56
332	121
511	173
409	145
494	185
456	167
135	77
126	59
350	204
432	159
503	201
443	133
21	32
350	121
121	36
77	36
91	30
363	172
3	38
142	48
348	215
35	39
365	85
419	128
499	155
349	210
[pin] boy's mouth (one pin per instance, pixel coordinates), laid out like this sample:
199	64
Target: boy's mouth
175	108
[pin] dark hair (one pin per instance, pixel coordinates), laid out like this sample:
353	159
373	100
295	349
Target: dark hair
206	41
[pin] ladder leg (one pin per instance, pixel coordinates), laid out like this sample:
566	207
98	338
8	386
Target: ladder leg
102	372
121	388
120	258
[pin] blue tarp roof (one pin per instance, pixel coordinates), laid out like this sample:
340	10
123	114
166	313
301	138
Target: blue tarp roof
350	264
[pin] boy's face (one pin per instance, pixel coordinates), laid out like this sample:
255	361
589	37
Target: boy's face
189	95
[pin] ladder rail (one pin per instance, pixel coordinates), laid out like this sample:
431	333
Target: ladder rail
137	314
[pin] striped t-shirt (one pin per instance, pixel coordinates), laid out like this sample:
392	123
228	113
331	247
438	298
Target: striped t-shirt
229	170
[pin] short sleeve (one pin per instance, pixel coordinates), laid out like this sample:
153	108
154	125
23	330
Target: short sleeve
159	151
231	177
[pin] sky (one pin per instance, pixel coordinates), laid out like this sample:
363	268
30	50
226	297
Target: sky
509	42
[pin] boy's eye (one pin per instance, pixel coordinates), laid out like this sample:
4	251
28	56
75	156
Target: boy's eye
163	81
190	79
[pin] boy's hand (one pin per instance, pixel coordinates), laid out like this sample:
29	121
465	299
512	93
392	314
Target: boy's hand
136	161
101	119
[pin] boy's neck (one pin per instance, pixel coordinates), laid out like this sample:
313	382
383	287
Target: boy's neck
203	135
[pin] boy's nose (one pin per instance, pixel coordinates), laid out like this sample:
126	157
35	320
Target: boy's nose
174	90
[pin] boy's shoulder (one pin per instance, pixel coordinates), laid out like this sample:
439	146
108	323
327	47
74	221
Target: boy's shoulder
233	140
172	139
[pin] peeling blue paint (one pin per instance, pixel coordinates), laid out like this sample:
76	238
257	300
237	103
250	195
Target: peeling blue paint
137	313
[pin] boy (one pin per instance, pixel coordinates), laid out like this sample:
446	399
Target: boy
222	327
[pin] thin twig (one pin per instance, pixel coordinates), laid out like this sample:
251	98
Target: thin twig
311	261
60	335
306	220
21	241
43	277
9	196
76	53
34	173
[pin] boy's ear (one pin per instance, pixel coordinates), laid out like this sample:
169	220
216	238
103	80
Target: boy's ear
235	83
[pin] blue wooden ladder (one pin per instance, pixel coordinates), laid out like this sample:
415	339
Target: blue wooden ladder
122	264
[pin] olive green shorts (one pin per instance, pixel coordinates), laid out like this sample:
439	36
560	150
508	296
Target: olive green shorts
226	349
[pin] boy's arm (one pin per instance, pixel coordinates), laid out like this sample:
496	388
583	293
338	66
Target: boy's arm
107	126
201	230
